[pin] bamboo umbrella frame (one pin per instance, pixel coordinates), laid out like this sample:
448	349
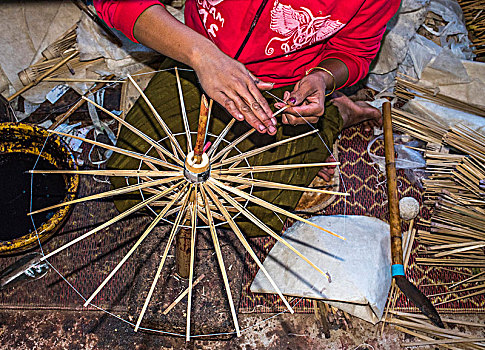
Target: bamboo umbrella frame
215	200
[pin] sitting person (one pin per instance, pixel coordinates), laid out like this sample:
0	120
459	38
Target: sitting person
301	50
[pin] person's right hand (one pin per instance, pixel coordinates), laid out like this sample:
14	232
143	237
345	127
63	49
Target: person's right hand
224	79
230	84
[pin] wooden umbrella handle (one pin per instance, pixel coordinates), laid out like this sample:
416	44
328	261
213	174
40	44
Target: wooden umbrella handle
394	218
205	108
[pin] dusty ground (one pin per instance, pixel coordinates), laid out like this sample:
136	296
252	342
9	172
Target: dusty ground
92	330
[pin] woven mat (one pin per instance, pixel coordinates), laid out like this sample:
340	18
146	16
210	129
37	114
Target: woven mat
368	197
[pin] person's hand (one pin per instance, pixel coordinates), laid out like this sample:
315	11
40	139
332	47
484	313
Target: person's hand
307	100
229	83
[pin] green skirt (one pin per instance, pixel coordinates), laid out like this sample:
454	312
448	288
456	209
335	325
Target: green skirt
162	92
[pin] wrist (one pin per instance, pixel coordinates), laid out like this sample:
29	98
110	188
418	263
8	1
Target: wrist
326	76
202	53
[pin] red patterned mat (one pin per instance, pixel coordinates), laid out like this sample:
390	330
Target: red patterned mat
367	197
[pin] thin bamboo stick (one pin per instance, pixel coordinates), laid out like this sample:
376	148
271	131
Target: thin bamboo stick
265	168
61	118
261	149
444	341
268	205
457	291
219	138
132	210
109	172
264	227
182	295
225	151
148	139
81	80
149	229
276	185
246	245
174	230
173	140
444	319
184	112
468	279
462	297
193	237
121	151
220	260
115	192
421	336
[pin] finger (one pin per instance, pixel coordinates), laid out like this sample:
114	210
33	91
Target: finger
247	113
306	110
231	107
292	120
300	92
260	108
250	117
323	174
261	85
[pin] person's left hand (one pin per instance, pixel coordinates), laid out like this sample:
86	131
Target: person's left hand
307	100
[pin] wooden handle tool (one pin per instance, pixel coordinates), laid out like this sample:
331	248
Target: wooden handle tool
397	268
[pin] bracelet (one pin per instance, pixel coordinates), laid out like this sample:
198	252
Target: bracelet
325	70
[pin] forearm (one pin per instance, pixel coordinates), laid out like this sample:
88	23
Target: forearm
159	30
339	70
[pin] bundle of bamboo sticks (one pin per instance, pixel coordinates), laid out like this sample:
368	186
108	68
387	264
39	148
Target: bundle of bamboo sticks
407	90
474	14
447	338
417	126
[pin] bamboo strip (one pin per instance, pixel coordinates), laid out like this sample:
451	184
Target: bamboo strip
219	138
270	184
173	140
264	227
260	150
148	139
182	295
246	245
471	278
265	168
421	336
220	260
121	151
132	210
184	112
149	229
174	230
226	150
444	319
443	341
193	237
458	291
462	297
268	205
115	192
109	172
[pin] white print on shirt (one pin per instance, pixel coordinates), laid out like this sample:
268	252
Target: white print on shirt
298	27
206	8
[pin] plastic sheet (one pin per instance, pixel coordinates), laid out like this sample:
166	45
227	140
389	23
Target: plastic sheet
357	271
406	158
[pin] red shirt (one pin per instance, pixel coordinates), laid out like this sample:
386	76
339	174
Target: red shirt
290	37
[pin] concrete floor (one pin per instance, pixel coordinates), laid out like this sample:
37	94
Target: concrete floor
37	329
